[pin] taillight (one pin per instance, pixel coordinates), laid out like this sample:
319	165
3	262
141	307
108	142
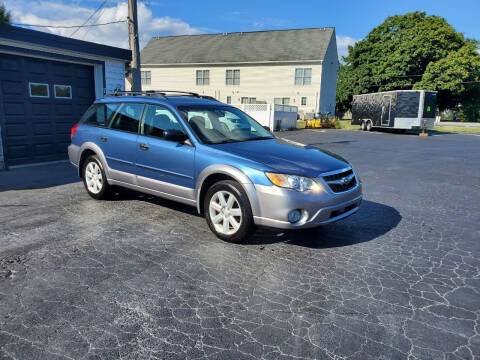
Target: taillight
73	130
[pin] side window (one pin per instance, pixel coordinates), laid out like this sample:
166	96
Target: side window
157	120
98	114
127	117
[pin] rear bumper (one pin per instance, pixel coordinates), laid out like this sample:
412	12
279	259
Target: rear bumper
74	154
318	209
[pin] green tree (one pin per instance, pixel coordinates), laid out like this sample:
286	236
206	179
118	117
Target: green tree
457	80
4	15
396	54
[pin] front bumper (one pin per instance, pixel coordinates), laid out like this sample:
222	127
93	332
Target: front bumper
318	209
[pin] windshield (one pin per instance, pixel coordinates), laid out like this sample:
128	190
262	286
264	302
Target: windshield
221	124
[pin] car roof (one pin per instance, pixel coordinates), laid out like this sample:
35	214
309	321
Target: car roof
171	100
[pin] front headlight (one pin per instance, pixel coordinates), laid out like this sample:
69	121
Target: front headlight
294	182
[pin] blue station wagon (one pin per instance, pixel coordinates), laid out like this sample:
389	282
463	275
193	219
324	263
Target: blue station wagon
195	150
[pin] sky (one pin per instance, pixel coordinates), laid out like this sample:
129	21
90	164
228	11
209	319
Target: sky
352	19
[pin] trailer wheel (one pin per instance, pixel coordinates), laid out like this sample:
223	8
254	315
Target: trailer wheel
363	126
368	126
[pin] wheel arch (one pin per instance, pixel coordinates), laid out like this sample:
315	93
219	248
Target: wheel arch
215	173
89	149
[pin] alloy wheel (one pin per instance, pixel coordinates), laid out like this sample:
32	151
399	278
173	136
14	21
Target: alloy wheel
93	177
225	212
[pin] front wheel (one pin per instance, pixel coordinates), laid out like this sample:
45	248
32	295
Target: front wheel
363	126
94	178
228	212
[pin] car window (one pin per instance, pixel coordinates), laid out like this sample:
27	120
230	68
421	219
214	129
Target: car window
98	114
127	117
157	120
214	124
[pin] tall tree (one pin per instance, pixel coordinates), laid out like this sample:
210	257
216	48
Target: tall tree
396	55
4	15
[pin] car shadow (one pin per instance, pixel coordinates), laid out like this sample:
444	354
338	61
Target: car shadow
124	194
370	222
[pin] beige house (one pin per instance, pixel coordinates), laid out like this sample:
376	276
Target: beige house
294	67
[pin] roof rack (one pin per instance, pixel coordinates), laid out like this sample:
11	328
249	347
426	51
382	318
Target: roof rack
159	93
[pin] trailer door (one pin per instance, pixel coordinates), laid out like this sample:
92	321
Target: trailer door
386	109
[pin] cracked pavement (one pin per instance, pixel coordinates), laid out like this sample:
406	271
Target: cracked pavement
139	277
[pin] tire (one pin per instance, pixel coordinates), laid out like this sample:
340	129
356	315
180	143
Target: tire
363	126
94	178
368	126
220	217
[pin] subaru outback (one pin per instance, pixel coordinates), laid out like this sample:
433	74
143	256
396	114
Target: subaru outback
198	151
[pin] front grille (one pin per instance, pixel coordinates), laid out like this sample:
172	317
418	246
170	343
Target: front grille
342	181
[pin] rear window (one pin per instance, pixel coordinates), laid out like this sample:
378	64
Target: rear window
98	114
127	117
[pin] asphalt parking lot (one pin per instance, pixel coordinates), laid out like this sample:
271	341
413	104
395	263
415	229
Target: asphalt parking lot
139	277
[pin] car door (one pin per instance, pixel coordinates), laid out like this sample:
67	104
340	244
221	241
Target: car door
163	163
119	139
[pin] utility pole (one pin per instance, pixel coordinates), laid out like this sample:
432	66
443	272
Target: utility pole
134	77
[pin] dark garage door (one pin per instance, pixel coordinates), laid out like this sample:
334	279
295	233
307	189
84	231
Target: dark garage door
38	128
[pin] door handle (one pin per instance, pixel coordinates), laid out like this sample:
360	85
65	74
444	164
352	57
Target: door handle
144	147
103	138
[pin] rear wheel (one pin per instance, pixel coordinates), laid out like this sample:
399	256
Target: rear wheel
94	178
228	212
368	125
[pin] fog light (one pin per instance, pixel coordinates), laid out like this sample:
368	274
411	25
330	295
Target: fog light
294	216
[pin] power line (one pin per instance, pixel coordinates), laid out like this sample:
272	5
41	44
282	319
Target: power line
100	14
86	21
70	27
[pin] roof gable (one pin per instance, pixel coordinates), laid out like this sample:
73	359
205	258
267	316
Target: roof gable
258	46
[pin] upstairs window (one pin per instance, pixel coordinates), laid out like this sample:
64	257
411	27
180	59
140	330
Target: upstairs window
303	76
233	77
146	77
203	77
304	100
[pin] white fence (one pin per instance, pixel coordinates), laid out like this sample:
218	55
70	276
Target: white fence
274	116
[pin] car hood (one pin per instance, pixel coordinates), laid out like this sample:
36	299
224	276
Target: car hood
285	157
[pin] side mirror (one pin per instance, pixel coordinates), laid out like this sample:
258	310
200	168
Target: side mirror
267	128
175	135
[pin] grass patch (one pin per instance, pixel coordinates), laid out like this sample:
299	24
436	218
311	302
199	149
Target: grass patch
347	125
457	129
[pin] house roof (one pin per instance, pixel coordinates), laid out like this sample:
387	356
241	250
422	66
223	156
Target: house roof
20	34
257	46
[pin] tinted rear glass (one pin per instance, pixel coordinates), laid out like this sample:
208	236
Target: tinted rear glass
127	117
98	114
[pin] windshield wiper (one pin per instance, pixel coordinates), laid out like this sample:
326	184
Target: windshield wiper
259	138
226	141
